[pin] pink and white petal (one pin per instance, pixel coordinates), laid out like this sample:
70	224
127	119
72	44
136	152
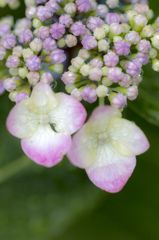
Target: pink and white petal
42	99
105	112
46	147
111	171
82	152
127	138
69	115
21	122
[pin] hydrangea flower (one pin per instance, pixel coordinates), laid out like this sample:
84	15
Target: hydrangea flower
32	118
106	147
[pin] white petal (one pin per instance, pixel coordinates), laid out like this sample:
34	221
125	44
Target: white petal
21	122
127	138
110	170
46	147
69	115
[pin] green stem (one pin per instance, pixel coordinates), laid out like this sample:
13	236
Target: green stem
14	167
101	101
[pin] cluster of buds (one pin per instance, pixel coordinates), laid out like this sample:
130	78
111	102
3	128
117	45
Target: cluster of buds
108	49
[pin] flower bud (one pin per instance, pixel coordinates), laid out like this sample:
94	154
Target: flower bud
22	72
112	3
111	59
133	68
46	78
17	51
36	23
58	56
125	81
136	80
132	93
11	83
133	37
106	81
155	40
96	63
99	33
43	13
115	74
140	22
77	62
106	28
4	29
89	94
141	8
78	28
102	10
36	45
52	6
20	96
83	53
43	32
57	30
83	5
144	46
94	22
30	12
8	41
12	62
103	45
115	28
105	71
2	53
56	68
71	40
76	93
13	71
95	74
70	8
68	78
101	91
112	18
143	58
49	44
84	70
155	64
152	53
119	101
122	48
33	77
147	31
33	63
27	53
66	20
131	14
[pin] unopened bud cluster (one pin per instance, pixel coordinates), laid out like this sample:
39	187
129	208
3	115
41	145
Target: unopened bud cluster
113	48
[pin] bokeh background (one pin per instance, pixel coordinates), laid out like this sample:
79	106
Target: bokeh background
60	203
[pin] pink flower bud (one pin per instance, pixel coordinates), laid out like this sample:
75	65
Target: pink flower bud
58	56
111	59
78	28
2	53
83	5
40	1
140	20
52	6
68	78
144	46
43	32
115	74
95	74
30	12
66	20
112	18
125	81
43	13
122	47
25	36
132	92
33	77
21	96
133	68
143	58
96	63
49	44
94	22
89	42
9	84
57	30
141	8
133	37
12	62
47	77
89	94
119	101
102	10
4	29
33	63
8	41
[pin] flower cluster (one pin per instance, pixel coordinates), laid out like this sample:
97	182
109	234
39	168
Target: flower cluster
97	51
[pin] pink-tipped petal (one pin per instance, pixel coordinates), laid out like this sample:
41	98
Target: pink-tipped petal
111	170
46	147
69	115
105	112
21	122
127	138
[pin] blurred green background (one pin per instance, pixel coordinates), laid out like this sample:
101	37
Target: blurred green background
60	203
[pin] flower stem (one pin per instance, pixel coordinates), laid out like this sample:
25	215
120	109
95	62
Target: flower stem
14	167
101	101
